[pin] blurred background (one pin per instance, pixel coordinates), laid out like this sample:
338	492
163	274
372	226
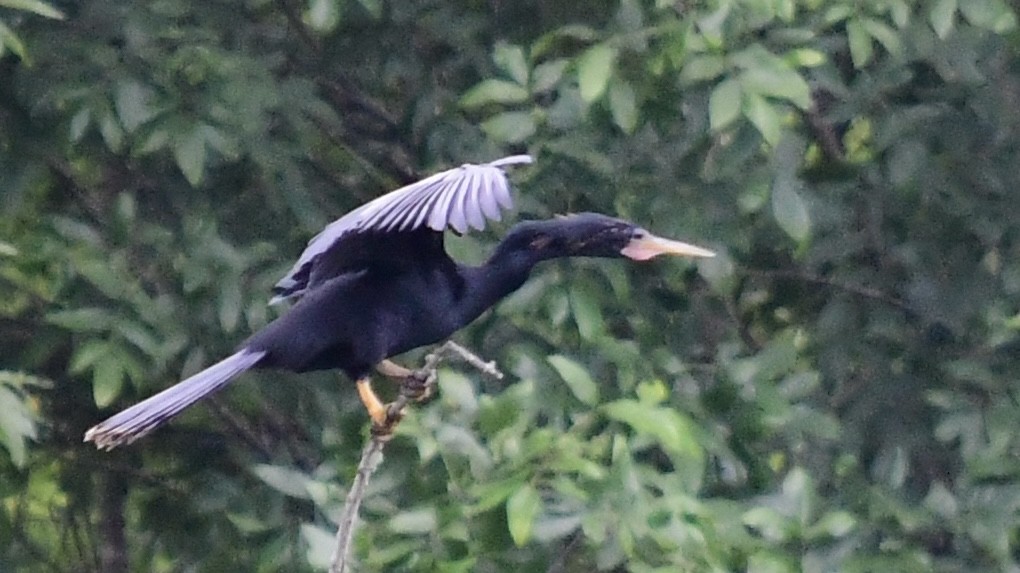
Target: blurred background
836	391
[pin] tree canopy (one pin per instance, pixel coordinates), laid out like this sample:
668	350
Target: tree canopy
837	391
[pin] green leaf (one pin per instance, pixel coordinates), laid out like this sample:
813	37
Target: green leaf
594	69
586	311
993	15
724	104
215	139
230	304
457	391
510	126
798	491
82	319
702	68
490	494
34	6
283	479
623	105
548	74
413	522
834	524
459	442
103	276
133	102
189	151
764	116
768	523
806	58
87	354
323	15
789	208
942	502
11	41
320	544
577	379
786	10
779	82
770	562
80	123
712	25
900	14
110	129
652	392
672	430
17	425
941	17
521	510
767	74
510	59
889	38
860	43
494	91
156	140
108	377
503	410
572	33
248	523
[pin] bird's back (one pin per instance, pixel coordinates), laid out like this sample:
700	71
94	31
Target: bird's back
355	320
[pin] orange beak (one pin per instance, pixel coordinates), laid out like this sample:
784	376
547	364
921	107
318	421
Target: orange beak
648	246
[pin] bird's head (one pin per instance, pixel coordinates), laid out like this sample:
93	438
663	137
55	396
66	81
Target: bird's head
595	235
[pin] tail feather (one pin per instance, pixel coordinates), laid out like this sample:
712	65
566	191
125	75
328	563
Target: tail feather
144	417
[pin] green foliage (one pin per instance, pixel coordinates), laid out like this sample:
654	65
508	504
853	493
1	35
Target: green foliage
835	391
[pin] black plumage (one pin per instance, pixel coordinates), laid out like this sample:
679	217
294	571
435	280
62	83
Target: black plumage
378	282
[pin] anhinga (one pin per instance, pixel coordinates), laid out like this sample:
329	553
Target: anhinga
377	282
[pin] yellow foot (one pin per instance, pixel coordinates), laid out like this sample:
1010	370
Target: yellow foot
384	417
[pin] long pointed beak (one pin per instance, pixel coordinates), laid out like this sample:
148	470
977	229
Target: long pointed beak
648	246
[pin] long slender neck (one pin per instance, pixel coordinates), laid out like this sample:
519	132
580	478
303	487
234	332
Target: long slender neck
504	272
489	283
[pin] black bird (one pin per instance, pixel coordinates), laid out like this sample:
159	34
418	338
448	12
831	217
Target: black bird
377	282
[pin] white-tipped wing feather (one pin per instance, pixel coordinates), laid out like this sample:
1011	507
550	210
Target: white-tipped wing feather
460	199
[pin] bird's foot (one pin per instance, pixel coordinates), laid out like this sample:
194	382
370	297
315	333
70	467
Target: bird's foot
383	425
419	385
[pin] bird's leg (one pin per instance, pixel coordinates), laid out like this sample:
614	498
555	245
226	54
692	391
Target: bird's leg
383	417
393	370
414	384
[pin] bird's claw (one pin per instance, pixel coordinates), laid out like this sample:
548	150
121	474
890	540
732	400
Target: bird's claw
384	428
419	385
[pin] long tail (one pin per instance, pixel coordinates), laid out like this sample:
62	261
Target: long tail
144	417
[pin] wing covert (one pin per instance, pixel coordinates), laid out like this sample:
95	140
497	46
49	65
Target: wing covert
460	199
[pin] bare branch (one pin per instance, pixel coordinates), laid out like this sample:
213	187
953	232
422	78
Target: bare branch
420	383
371	457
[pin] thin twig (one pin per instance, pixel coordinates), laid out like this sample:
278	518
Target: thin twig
465	355
372	455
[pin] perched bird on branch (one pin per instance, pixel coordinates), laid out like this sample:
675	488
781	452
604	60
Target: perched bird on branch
377	282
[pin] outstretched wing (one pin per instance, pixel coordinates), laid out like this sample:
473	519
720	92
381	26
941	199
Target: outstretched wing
458	199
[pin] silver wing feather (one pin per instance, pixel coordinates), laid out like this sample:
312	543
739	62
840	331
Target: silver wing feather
459	199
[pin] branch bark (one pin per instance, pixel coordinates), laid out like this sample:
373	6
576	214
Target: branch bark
372	455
